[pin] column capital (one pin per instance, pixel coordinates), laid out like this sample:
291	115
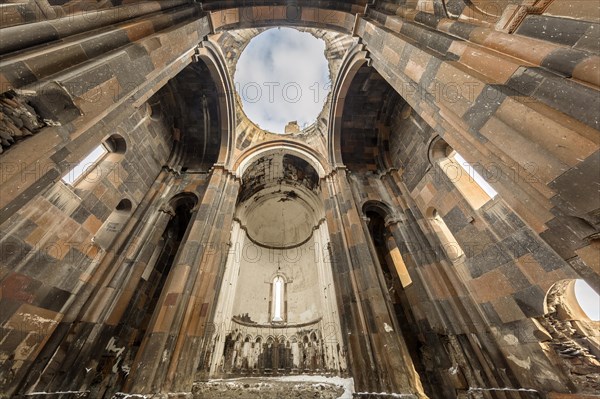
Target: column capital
392	221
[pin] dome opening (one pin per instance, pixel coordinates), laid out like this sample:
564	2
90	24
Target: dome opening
283	80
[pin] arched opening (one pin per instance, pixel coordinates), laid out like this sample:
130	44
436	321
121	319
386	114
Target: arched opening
278	300
588	300
141	306
280	146
281	283
124	205
573	330
192	104
116	144
397	279
573	300
366	117
279	207
155	109
326	16
155	275
90	170
84	169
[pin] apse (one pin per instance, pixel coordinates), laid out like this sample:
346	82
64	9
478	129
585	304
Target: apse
277	306
278	202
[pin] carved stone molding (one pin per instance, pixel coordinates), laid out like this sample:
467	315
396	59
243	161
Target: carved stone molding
514	15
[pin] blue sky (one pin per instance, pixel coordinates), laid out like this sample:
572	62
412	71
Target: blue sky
281	76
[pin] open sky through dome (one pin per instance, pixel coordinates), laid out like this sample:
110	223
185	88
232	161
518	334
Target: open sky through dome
282	76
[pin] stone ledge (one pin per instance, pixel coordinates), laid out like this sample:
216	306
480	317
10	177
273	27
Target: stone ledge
304	387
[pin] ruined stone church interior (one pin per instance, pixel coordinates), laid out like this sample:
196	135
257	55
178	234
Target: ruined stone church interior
420	221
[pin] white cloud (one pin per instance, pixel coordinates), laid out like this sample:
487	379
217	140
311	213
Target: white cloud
282	75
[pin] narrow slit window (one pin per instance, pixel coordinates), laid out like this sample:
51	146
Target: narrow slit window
83	167
470	183
481	182
278	305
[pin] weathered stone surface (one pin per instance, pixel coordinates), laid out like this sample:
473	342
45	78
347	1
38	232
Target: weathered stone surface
129	280
17	119
266	389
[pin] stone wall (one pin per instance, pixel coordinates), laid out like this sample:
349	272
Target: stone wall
512	88
260	264
71	255
490	108
49	253
498	285
18	120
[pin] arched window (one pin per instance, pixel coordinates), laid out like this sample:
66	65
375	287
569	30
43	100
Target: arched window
572	310
573	300
474	175
116	144
278	300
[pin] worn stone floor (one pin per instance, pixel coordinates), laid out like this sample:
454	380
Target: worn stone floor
301	387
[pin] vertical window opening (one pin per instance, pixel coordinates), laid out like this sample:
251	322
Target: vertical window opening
396	279
473	187
475	176
114	145
138	314
278	299
84	166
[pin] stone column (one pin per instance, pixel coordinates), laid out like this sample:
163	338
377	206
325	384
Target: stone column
438	295
224	311
171	349
210	268
372	341
335	348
